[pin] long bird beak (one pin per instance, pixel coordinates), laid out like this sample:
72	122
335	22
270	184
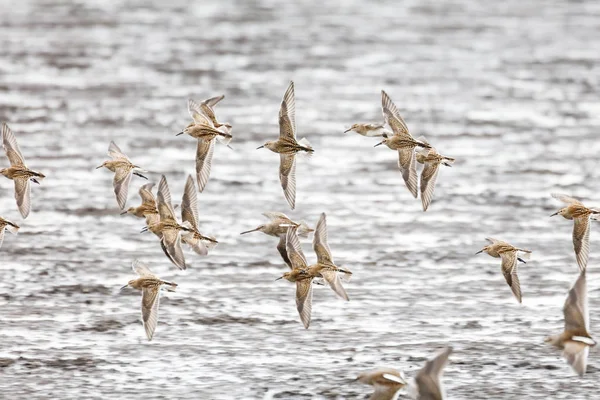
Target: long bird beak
348	130
124	287
124	212
556	213
145	229
480	251
180	133
281	277
260	147
253	230
378	144
100	167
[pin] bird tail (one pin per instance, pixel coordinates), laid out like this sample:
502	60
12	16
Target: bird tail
210	242
303	229
423	142
306	147
12	228
170	286
224	137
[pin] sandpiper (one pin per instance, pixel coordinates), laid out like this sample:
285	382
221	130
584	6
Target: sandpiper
189	213
4	225
123	169
150	285
370	130
325	267
510	256
148	208
402	141
277	226
576	340
386	381
431	160
18	171
299	275
167	229
287	146
427	382
207	108
203	129
581	215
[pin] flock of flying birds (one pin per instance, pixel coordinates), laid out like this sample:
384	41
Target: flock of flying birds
161	219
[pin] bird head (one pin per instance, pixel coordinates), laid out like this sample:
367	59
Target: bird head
562	212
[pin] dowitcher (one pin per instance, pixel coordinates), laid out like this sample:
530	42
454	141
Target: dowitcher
287	146
277	226
427	382
576	340
18	171
123	169
299	275
431	161
370	130
581	215
203	129
150	285
402	141
325	267
4	225
167	229
386	381
148	208
189	213
510	257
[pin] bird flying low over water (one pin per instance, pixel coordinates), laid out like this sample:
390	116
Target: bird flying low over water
581	216
431	161
402	141
148	208
278	226
189	214
386	382
509	255
18	171
123	169
370	130
150	285
287	146
575	341
7	225
203	128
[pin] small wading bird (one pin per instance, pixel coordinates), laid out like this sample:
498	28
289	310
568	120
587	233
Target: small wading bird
148	208
325	267
278	226
386	382
207	108
287	146
203	129
576	340
581	215
370	130
123	169
402	141
4	225
167	229
18	171
300	276
431	161
189	214
509	256
150	285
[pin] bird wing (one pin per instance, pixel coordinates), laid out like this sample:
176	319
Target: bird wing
198	114
576	306
115	152
333	279
11	147
392	116
171	245
428	378
408	168
23	195
146	194
150	301
121	185
273	215
287	176
384	392
2	230
141	269
576	354
294	249
320	245
565	198
428	179
165	207
287	115
213	101
581	240
509	270
304	300
189	203
204	155
282	250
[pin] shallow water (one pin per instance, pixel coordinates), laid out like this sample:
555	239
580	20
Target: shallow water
508	89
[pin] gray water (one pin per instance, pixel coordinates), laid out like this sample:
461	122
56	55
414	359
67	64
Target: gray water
510	90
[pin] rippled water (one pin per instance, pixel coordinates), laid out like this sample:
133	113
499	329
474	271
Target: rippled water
509	89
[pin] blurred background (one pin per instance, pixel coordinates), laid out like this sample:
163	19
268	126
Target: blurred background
509	89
